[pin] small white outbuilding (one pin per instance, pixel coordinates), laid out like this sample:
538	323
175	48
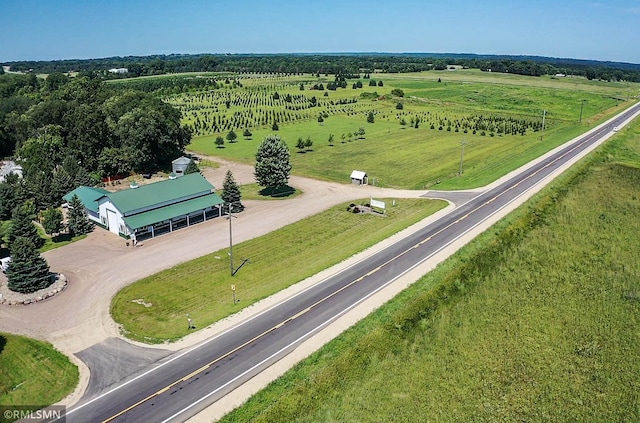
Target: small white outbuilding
359	177
179	165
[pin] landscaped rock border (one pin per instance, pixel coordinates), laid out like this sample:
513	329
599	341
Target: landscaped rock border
8	297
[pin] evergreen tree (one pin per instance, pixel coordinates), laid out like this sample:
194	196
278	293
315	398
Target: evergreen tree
77	220
231	136
192	167
370	117
22	226
28	271
272	163
61	184
83	178
219	141
7	200
300	144
231	192
247	133
52	221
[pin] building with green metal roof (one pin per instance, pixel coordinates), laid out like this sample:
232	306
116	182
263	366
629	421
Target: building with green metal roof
148	210
89	197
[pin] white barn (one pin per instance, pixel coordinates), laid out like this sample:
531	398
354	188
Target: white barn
153	209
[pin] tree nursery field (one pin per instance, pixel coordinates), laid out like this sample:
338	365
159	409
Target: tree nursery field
416	122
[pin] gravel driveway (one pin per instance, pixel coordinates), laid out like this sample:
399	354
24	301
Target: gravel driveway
100	265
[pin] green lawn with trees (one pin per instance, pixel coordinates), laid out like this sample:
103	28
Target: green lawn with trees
535	320
498	116
33	372
314	243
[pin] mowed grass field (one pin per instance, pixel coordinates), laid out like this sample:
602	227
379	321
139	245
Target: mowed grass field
155	309
33	372
428	157
535	320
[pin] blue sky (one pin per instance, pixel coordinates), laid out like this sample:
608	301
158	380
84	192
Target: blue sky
65	29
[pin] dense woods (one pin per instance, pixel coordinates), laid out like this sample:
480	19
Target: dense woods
67	132
336	63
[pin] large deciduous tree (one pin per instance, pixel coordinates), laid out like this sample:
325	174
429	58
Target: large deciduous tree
28	271
272	163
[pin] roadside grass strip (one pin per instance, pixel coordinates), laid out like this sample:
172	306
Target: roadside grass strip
201	288
535	320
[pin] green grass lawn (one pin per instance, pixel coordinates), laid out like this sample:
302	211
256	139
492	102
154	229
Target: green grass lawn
202	287
256	192
535	320
428	157
33	372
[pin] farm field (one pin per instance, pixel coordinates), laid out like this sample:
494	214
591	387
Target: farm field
498	117
535	320
33	372
304	249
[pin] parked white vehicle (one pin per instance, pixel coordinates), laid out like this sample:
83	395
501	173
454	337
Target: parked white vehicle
4	263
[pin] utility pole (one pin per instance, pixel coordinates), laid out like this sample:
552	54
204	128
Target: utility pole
462	144
245	261
581	107
544	115
230	241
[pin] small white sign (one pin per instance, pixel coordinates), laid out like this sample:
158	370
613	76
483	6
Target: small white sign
378	204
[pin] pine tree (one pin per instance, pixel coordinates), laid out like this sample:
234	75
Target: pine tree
77	220
272	163
61	183
192	167
231	192
28	271
52	221
22	226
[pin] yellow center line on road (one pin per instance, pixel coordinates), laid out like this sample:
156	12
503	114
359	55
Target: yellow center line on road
336	292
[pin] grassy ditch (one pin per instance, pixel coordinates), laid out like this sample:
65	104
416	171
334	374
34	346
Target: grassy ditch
155	309
535	320
33	372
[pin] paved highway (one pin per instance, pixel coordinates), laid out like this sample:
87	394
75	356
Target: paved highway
187	382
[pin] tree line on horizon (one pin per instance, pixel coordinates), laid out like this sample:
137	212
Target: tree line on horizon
332	64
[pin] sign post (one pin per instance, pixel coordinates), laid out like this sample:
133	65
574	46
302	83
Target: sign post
233	292
378	204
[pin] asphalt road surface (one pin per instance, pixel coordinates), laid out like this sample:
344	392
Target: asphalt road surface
184	383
